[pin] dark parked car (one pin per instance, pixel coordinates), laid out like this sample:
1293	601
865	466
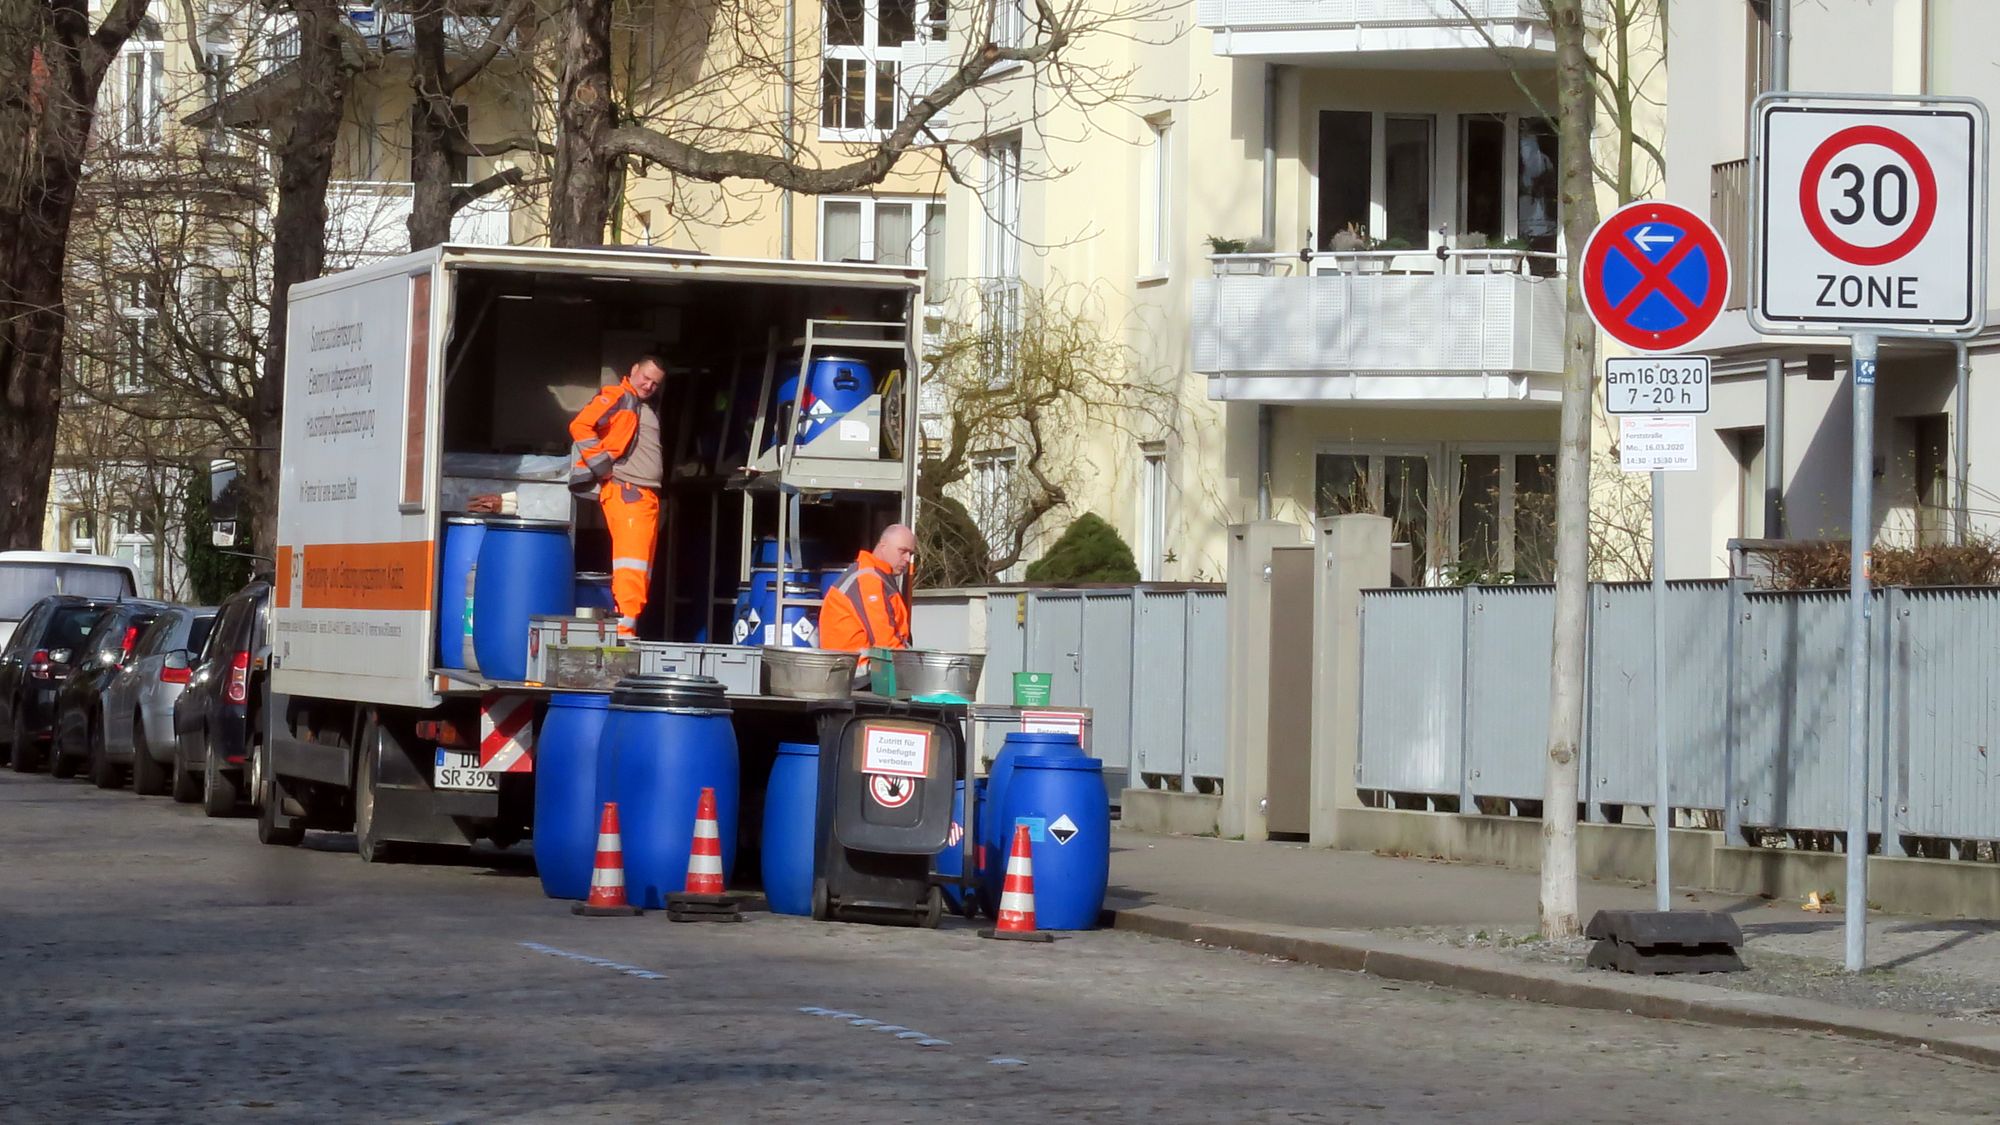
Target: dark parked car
214	716
79	738
139	707
33	666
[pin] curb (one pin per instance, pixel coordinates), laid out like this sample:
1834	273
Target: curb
1492	975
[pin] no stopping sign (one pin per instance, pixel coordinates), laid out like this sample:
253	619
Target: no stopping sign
1870	216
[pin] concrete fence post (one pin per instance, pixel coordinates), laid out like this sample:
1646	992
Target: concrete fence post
1247	765
1351	554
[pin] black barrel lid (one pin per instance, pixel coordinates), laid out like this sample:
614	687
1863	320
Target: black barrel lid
669	691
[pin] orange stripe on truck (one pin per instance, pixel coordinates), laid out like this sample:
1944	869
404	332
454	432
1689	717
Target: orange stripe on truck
365	575
281	581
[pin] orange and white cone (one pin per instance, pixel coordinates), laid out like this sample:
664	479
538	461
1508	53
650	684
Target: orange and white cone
607	876
1015	920
704	875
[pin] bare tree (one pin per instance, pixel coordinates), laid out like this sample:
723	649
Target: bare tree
52	63
437	133
1018	396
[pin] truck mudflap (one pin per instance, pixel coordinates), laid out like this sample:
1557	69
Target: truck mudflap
507	732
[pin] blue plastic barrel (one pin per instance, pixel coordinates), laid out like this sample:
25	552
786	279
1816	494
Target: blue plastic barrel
593	591
783	399
665	739
791	817
462	536
526	569
567	809
756	613
951	861
1069	816
834	386
993	836
810	553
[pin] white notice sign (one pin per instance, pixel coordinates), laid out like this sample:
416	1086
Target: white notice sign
1664	384
1656	444
903	753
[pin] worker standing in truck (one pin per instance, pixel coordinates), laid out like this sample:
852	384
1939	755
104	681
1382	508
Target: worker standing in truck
616	454
869	606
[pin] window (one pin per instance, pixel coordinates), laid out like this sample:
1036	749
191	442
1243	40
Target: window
1406	160
863	43
1152	511
1158	193
217	62
1505	521
898	232
992	493
1537	218
144	63
1393	484
1010	23
133	370
1759	57
213	325
1346	173
1930	449
1002	267
1482	177
1746	445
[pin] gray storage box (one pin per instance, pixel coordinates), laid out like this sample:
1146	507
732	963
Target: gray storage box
739	668
545	633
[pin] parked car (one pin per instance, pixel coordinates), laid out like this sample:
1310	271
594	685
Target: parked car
80	701
138	728
222	701
33	666
26	577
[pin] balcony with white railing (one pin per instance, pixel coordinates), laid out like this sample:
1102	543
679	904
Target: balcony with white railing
368	220
1382	33
1457	327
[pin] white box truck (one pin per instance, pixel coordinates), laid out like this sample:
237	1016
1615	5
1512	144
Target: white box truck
416	382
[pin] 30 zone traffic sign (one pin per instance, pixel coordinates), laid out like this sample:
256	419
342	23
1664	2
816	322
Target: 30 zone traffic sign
1870	215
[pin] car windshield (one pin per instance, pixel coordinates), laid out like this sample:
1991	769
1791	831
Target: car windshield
22	584
70	627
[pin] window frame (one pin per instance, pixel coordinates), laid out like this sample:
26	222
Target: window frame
1507	518
140	125
874	58
1155	483
922	208
1446	202
1159	233
135	367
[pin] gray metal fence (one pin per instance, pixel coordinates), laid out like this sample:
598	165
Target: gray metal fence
1455	702
1148	662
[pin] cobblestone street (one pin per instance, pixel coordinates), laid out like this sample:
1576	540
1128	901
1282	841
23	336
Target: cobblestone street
162	966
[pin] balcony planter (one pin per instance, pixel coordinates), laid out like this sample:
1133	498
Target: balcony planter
1242	265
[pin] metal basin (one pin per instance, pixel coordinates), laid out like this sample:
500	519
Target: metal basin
809	673
922	671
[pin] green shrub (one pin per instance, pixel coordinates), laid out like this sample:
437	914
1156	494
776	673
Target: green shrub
1089	551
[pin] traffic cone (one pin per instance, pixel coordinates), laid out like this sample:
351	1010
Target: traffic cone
1015	920
705	853
703	899
607	877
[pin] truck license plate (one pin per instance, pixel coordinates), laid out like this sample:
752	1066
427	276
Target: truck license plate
459	769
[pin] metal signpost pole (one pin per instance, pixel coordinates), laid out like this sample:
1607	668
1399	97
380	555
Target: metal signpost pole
1861	524
1663	811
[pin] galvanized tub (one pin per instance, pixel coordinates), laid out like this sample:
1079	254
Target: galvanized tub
930	672
809	673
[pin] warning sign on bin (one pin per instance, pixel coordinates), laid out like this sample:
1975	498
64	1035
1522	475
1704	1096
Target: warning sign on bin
904	753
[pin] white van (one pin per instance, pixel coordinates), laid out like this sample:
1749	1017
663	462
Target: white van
27	577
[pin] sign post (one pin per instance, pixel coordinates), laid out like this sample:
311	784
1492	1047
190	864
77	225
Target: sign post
1868	219
1655	277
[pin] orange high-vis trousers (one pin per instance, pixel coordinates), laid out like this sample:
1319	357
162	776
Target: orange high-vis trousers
632	513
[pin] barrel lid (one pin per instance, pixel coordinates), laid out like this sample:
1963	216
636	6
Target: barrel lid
802	749
1060	762
521	524
669	691
593	576
1044	738
589	700
464	521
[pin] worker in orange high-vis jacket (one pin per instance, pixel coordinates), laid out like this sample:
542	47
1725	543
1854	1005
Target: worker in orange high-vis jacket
617	455
869	607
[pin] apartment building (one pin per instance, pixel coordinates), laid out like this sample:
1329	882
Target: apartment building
1931	477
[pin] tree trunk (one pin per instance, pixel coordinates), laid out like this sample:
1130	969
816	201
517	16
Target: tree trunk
52	64
1558	905
432	126
580	194
298	237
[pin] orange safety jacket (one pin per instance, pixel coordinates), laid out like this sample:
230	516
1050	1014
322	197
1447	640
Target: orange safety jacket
600	434
865	609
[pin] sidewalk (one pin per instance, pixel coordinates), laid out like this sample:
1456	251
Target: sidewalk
1931	981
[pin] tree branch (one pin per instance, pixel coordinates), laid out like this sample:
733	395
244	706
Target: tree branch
496	40
508	177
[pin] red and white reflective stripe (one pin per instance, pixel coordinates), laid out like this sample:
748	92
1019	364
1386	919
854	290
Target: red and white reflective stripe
1017	892
506	733
704	874
607	875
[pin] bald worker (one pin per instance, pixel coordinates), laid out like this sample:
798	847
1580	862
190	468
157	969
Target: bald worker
869	607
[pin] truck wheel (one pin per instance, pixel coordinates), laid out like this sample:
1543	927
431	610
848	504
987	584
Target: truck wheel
104	773
149	778
20	748
219	794
367	841
269	799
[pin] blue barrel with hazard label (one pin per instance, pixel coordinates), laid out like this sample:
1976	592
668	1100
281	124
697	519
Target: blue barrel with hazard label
755	621
835	385
1062	802
994	837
